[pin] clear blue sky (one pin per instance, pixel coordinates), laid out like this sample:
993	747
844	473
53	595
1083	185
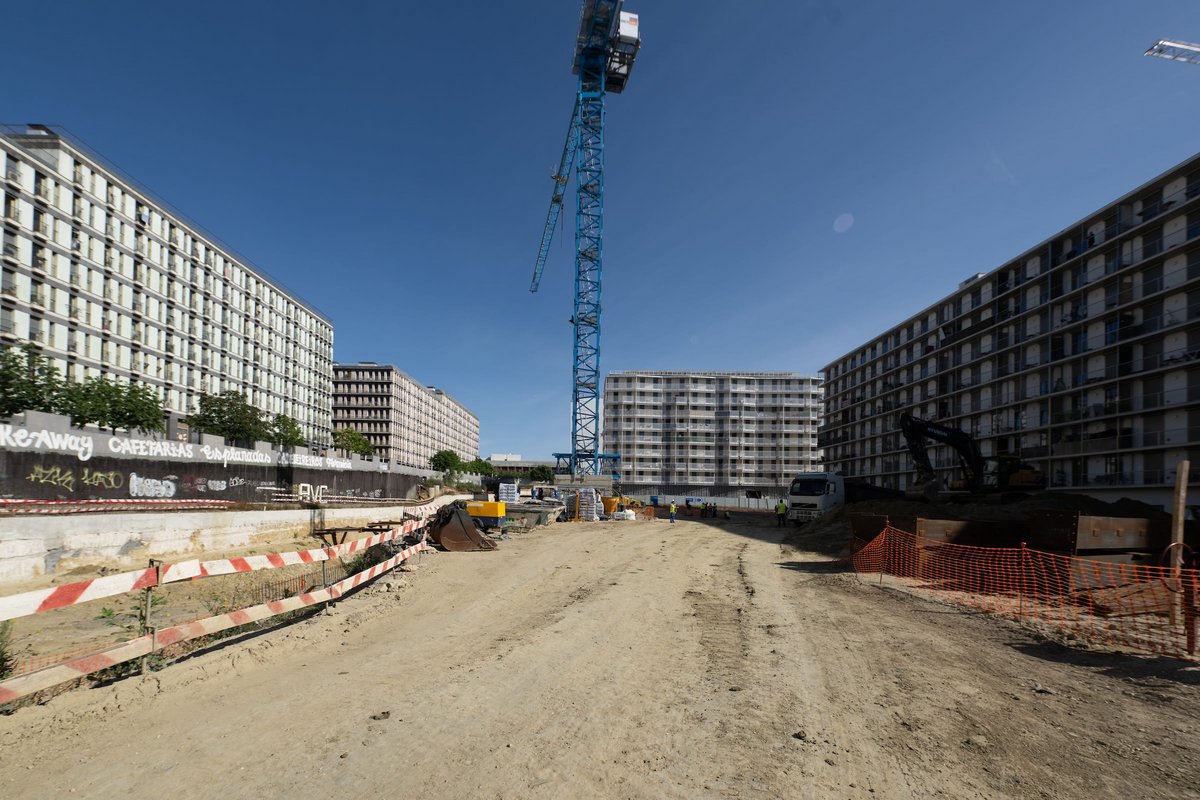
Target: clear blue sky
389	163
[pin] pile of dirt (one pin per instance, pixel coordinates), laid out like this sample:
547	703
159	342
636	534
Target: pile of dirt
1018	511
831	533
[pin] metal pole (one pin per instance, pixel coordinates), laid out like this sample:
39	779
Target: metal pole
1181	482
147	607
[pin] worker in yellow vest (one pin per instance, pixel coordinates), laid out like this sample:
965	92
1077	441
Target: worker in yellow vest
672	510
780	514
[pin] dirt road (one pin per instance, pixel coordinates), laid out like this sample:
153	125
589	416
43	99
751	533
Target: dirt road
636	659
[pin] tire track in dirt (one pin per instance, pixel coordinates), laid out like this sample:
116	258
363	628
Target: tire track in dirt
597	661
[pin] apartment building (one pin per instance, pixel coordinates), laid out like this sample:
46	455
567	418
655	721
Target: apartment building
406	421
715	434
109	281
1080	355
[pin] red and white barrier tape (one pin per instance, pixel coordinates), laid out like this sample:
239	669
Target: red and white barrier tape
23	685
333	498
226	566
12	506
39	600
114	501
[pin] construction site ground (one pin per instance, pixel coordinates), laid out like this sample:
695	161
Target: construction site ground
708	658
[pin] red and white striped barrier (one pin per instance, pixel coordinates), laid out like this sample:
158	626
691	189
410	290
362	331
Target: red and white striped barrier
16	506
227	566
112	501
39	600
334	498
23	685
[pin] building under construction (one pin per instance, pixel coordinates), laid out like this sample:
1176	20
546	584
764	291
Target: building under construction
1081	356
712	434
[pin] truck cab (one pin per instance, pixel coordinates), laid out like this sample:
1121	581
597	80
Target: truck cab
812	494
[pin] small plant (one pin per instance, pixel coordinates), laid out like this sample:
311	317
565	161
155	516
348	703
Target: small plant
134	622
366	559
8	660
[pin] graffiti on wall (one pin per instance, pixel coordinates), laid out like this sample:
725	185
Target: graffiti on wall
54	476
36	474
150	487
311	494
31	439
110	479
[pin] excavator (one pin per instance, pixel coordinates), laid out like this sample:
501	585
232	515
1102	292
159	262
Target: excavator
981	475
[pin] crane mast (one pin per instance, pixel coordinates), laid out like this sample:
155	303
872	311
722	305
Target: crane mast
605	50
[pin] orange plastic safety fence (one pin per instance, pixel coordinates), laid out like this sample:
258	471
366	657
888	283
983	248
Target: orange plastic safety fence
1151	609
34	663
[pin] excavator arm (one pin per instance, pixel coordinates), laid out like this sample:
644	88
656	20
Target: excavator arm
916	433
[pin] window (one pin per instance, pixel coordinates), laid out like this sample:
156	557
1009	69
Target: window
1111	328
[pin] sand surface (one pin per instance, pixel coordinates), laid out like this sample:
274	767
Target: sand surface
632	659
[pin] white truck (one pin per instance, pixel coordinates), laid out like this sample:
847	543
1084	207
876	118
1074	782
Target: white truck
813	494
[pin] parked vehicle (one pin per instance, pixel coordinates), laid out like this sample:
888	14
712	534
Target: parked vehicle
813	494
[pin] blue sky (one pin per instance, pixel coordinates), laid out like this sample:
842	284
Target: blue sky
389	162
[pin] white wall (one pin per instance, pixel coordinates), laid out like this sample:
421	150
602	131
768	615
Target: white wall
48	545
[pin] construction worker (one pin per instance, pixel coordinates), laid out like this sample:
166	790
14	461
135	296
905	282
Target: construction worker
780	514
672	510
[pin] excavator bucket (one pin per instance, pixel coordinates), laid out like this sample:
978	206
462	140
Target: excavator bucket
928	489
454	529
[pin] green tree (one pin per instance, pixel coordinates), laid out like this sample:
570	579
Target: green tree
541	473
229	415
479	467
90	402
351	441
285	432
78	403
16	387
446	461
29	383
139	408
48	383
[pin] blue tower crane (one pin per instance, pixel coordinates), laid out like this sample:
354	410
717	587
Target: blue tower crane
605	50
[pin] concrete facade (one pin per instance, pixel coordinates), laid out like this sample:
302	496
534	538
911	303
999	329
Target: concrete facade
109	281
711	433
1081	355
406	421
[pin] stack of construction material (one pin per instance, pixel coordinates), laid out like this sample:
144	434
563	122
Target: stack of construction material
569	500
589	504
508	493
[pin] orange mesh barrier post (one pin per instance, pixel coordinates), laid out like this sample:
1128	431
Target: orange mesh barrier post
1189	610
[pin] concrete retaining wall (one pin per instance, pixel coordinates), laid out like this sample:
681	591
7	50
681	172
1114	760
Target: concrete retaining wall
49	545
